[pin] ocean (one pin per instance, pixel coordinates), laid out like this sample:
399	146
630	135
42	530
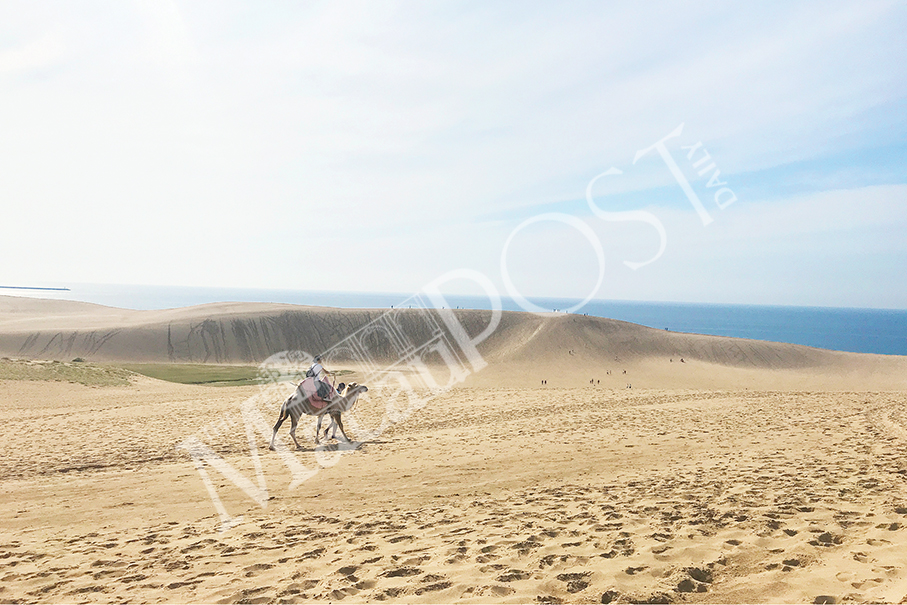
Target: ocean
857	330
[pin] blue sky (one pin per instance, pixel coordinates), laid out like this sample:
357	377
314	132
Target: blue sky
376	146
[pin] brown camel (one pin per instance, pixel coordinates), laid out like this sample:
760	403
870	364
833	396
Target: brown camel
298	404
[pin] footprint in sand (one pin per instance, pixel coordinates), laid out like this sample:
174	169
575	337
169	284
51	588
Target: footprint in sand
133	578
576	582
397	539
688	585
48	587
622	547
312	554
458	554
870	583
492	568
827	539
862	557
293	590
701	575
89	589
494	590
249	595
389	593
434	587
107	573
252	569
434	583
401	572
513	575
549	560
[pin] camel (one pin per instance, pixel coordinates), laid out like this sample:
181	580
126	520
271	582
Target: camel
298	404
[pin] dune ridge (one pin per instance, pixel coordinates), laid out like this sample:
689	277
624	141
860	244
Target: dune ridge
524	347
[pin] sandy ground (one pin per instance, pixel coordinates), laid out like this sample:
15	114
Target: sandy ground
512	495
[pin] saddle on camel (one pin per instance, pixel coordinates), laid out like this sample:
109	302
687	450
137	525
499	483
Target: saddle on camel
318	392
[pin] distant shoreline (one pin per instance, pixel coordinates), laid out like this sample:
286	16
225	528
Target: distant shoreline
34	288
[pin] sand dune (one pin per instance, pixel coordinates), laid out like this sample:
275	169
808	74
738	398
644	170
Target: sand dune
749	472
565	350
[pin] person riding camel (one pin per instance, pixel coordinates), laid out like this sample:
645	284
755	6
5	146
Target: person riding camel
316	371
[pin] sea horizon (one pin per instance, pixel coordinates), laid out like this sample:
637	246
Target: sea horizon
850	329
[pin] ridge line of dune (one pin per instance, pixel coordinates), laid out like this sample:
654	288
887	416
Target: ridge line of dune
523	343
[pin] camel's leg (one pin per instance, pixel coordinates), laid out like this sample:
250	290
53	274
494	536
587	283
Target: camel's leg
295	421
340	424
280	419
318	427
332	425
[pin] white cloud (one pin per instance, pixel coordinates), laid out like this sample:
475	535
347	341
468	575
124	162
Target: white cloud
169	40
176	134
42	52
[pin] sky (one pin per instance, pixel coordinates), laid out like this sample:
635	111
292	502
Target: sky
745	153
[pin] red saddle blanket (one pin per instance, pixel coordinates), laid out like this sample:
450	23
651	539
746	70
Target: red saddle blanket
309	389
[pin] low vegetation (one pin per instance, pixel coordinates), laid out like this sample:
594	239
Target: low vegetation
214	375
80	371
200	373
76	371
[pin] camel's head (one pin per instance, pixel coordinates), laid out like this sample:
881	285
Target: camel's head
355	387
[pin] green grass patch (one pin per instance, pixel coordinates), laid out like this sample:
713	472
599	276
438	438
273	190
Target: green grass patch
200	373
78	372
119	374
